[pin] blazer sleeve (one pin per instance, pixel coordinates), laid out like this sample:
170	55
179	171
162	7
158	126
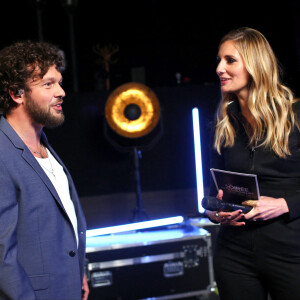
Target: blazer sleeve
14	282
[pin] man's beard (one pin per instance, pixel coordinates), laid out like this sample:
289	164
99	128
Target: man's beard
44	116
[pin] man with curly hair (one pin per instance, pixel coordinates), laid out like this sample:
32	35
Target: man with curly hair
42	226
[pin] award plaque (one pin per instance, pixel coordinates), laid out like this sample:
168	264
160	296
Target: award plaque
237	187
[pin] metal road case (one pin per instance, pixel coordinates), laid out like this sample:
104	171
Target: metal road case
155	264
206	224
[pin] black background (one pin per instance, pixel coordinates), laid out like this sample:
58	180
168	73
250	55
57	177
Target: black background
162	38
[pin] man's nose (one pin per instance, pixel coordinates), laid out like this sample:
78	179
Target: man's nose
60	92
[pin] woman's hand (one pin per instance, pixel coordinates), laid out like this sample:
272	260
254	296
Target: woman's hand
227	218
266	208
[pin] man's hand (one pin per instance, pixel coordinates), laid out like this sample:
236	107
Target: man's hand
85	288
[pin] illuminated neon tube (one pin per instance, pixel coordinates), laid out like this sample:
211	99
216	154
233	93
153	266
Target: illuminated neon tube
134	226
198	158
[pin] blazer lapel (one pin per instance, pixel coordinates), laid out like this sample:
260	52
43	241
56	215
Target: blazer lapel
28	157
72	189
37	168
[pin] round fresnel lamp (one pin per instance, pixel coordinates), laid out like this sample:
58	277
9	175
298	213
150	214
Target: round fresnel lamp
133	123
132	110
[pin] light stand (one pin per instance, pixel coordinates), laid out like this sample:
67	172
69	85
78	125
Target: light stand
70	6
133	122
39	5
139	214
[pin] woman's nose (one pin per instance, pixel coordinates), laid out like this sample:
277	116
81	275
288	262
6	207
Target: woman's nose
220	68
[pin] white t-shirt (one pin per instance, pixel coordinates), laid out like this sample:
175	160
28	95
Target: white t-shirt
56	174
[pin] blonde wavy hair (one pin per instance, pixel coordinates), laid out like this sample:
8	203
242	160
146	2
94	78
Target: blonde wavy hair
270	102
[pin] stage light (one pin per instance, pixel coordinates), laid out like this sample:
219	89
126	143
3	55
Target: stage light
198	158
135	226
132	124
132	110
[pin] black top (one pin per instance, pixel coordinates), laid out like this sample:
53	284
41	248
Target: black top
277	177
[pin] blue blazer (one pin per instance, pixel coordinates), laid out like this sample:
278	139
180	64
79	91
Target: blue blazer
39	258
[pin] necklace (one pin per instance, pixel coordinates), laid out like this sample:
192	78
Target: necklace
43	166
37	152
50	171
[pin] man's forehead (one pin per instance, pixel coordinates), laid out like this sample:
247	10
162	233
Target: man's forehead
52	73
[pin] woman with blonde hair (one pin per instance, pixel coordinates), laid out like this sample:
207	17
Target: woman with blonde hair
257	131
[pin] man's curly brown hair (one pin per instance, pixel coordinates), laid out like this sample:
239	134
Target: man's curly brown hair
22	61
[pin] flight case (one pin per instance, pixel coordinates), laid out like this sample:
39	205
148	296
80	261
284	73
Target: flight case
172	263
